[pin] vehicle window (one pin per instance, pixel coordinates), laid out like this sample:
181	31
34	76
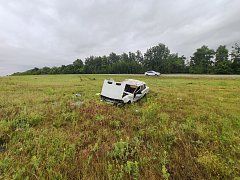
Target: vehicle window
143	87
139	91
129	88
119	84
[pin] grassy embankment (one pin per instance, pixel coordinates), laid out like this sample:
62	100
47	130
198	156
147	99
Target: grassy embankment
185	128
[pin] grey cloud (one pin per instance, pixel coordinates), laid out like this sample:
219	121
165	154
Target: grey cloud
41	32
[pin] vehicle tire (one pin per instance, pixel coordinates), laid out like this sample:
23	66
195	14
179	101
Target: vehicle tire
120	104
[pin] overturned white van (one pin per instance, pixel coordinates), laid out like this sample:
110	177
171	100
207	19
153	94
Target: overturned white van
127	91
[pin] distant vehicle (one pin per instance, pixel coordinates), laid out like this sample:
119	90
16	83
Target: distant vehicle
152	73
127	91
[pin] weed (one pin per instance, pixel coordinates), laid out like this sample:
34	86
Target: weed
132	169
115	124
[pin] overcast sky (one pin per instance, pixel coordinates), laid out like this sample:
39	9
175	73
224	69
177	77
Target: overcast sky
37	33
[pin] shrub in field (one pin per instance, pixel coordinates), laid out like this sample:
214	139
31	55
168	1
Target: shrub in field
5	131
8	128
5	165
150	114
47	152
25	121
215	165
124	159
121	150
164	161
132	168
115	124
115	171
64	119
99	118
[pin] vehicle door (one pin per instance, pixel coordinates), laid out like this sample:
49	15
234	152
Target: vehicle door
137	94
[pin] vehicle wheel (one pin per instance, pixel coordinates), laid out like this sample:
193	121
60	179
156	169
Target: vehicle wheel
129	102
120	104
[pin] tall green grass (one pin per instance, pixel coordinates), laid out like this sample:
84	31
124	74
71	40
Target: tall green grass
186	128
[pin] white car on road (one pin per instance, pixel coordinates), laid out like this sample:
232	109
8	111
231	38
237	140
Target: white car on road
127	91
152	73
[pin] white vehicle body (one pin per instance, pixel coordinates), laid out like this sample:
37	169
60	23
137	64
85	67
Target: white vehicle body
152	73
127	91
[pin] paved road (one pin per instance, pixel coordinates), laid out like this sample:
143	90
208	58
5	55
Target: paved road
182	75
171	75
201	75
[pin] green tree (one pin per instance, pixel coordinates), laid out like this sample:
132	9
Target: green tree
78	63
45	70
105	65
223	67
202	61
155	58
78	66
222	63
175	64
235	57
113	58
221	54
139	57
55	70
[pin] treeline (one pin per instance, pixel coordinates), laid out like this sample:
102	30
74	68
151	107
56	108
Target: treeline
158	58
208	61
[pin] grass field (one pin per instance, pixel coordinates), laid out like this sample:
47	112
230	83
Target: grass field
186	128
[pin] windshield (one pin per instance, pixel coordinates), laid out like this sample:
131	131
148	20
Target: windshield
130	88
